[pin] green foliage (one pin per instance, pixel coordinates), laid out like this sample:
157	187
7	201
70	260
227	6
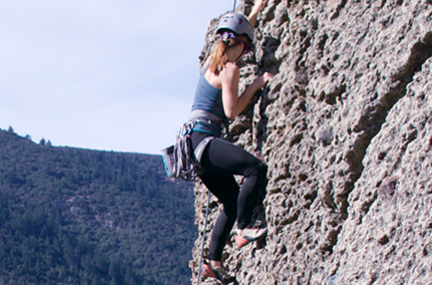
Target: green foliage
75	216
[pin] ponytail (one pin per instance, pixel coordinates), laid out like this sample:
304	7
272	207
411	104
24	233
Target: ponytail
219	58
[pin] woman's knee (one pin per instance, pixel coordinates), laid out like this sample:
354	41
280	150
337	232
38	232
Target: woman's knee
262	169
258	168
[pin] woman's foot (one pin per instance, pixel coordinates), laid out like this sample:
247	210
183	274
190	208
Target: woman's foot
246	236
218	272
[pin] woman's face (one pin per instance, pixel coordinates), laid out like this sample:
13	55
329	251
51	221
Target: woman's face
242	49
235	51
246	46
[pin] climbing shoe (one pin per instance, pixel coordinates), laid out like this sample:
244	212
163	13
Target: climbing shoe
219	273
250	235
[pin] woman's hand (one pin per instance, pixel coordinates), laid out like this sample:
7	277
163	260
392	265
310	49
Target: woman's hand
258	6
262	80
232	103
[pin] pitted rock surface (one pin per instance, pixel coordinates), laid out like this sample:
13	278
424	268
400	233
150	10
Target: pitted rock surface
346	130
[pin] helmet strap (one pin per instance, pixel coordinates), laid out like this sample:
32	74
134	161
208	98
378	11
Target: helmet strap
229	35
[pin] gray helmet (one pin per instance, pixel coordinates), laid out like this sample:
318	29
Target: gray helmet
236	23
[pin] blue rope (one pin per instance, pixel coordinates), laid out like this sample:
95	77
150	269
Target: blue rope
243	6
203	238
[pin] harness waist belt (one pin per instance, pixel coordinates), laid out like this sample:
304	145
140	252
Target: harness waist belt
198	114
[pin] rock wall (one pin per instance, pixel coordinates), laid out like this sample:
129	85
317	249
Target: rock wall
346	130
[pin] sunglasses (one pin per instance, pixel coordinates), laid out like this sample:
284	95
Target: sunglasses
248	46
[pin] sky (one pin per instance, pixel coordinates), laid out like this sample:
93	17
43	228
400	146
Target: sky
104	75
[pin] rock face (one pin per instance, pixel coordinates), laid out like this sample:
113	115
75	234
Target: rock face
346	130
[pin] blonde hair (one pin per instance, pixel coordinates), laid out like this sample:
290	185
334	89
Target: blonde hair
219	56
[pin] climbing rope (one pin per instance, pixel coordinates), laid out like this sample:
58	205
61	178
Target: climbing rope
243	6
203	238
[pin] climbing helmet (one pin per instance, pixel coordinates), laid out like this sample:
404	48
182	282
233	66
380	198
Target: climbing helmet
236	23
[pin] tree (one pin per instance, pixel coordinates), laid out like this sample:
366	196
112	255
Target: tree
114	281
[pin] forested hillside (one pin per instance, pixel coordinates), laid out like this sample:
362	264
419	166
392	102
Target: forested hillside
75	216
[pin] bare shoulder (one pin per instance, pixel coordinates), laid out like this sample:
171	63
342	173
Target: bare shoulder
207	62
230	70
231	66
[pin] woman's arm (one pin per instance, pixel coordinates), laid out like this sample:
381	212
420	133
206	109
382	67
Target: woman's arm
257	7
232	103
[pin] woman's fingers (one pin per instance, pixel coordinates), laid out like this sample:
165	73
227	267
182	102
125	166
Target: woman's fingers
263	79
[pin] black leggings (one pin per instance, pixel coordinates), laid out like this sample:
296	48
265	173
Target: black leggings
221	160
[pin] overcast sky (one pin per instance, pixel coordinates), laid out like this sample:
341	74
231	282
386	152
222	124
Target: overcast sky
105	75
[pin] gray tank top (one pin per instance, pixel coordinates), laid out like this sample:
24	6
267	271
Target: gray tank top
208	98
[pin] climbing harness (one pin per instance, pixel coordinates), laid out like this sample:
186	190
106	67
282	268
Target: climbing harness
210	119
203	238
178	159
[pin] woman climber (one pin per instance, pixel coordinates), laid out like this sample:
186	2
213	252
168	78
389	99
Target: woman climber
216	100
